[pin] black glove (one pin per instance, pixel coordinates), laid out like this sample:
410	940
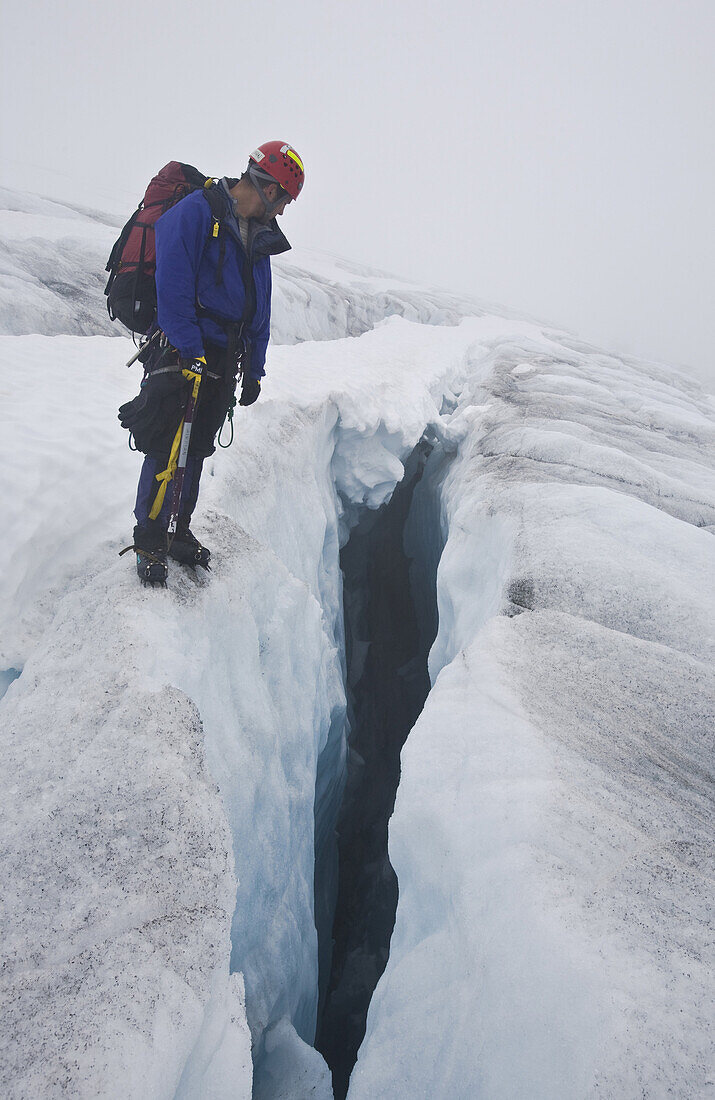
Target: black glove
250	390
154	415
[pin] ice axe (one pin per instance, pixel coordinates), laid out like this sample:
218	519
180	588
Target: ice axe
176	467
144	347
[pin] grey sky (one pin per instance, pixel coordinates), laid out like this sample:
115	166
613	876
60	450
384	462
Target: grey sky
556	156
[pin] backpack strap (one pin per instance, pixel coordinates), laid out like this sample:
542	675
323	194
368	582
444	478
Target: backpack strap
217	206
116	255
221	256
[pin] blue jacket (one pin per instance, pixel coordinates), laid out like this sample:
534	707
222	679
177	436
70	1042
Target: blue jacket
191	302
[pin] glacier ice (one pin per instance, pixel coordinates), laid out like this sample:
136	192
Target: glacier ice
175	761
253	667
7	677
553	826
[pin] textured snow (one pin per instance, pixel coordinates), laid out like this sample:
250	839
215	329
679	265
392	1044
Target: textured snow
174	759
248	660
52	278
553	829
52	260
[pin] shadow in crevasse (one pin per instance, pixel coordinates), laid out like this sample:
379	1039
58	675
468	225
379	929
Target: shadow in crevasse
390	624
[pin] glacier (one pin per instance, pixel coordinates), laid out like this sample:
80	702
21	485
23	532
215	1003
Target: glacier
175	761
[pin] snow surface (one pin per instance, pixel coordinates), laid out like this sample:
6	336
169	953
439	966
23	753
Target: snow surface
174	759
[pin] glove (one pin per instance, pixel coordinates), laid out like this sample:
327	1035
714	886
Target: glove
153	416
250	390
195	365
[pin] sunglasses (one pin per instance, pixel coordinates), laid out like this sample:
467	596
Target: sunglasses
282	193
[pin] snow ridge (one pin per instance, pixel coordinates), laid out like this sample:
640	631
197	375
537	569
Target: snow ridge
559	778
52	278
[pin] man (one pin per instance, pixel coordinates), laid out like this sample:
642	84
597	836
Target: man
213	282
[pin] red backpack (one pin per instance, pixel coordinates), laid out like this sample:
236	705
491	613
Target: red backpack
131	287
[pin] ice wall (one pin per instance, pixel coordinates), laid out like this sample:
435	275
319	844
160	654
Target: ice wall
202	711
552	829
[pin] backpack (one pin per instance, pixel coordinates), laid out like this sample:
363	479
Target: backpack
131	287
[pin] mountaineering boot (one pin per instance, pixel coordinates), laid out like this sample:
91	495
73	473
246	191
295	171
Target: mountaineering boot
187	549
150	546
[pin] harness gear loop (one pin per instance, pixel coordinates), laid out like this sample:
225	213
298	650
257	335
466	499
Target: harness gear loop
229	417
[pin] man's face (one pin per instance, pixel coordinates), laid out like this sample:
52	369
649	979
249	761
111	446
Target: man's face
272	193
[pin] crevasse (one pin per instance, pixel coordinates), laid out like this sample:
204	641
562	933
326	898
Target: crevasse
390	612
383	625
169	809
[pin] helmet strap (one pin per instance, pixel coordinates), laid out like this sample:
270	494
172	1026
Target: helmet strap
260	180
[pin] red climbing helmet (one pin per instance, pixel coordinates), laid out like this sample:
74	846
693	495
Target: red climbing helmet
282	163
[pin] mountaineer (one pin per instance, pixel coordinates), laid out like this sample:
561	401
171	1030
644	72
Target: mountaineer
213	307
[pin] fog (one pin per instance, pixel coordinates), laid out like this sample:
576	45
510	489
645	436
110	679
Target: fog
557	157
